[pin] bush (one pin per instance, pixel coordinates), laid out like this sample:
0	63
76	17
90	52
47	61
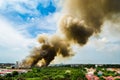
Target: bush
1	78
20	78
117	79
109	73
8	75
50	73
14	73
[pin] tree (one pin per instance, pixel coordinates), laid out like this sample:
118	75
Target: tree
8	75
14	73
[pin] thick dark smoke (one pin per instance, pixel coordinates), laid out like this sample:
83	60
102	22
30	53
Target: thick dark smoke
85	17
75	31
82	19
48	51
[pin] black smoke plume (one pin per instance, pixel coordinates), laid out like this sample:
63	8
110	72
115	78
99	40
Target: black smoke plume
82	19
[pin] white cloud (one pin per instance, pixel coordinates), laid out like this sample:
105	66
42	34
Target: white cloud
11	38
13	45
21	6
1	1
45	23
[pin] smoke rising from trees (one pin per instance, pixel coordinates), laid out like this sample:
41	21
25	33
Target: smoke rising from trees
82	19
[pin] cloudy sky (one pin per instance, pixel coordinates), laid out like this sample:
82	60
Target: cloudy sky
21	21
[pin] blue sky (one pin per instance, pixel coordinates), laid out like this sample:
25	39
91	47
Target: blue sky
21	21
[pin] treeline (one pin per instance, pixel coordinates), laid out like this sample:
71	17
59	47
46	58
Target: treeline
50	73
89	65
68	72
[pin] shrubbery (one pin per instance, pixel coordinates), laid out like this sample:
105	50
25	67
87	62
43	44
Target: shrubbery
56	73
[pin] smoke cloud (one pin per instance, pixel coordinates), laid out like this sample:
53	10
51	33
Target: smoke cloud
50	47
81	19
85	17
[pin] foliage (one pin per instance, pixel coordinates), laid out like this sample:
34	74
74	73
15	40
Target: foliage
20	78
56	73
109	73
101	78
8	75
1	78
14	73
117	79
